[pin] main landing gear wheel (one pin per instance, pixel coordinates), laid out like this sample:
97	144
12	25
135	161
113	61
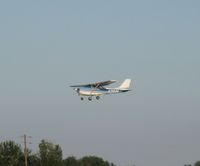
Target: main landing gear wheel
97	97
81	98
90	98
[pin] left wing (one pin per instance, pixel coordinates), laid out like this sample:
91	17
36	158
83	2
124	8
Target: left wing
95	85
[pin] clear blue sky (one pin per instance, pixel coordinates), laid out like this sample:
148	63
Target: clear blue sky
45	46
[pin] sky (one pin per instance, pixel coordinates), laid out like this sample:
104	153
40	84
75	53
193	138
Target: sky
46	46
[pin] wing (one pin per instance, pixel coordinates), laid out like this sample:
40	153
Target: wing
95	85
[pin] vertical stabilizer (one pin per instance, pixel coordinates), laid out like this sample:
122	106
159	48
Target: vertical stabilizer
125	84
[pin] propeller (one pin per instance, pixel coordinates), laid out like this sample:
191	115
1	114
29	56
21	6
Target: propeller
77	90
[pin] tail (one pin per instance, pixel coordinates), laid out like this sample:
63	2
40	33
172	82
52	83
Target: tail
125	84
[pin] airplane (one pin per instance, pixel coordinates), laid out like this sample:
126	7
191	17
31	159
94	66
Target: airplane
97	89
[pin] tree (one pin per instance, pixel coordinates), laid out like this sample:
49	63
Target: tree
50	154
93	161
197	163
71	161
33	160
10	154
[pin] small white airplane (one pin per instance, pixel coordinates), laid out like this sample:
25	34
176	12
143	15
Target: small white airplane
97	89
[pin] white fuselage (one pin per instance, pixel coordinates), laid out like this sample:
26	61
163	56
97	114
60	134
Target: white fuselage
98	92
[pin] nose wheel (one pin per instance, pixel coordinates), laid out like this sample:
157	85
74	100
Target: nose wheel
90	98
97	97
82	98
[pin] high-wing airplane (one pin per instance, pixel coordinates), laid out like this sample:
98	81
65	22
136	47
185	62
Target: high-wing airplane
97	89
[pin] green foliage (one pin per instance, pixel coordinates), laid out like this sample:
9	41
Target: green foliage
71	161
33	160
86	161
50	154
10	154
197	163
93	161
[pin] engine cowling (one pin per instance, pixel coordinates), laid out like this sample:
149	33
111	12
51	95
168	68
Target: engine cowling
77	90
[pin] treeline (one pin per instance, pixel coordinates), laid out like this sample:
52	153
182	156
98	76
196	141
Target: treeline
49	154
196	164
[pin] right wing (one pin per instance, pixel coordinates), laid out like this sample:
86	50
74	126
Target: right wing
95	85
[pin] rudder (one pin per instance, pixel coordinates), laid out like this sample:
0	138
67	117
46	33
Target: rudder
125	84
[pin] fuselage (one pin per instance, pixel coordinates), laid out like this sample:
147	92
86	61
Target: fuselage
99	92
